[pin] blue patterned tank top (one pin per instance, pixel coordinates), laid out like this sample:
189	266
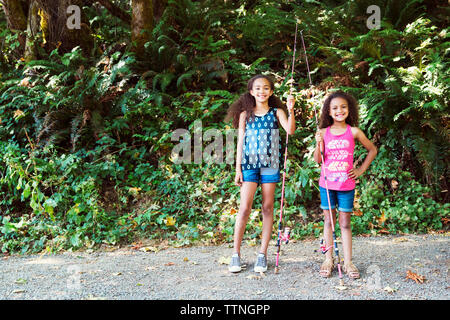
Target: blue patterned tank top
262	144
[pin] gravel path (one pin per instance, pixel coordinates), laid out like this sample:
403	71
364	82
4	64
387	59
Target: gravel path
200	272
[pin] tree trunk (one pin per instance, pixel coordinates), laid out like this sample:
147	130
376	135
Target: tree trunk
141	25
17	20
158	9
54	25
32	30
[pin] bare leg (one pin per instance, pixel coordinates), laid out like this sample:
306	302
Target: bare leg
268	193
328	231
327	265
346	232
248	190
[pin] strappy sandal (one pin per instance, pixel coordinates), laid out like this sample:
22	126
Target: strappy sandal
351	270
326	268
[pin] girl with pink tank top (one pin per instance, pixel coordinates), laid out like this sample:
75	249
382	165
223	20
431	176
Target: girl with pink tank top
338	157
336	138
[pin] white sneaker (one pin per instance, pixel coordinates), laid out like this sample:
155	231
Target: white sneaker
261	263
235	263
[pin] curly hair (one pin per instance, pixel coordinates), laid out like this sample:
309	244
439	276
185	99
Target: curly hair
247	102
353	110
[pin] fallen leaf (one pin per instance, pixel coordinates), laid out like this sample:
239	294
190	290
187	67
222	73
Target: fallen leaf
134	191
414	276
389	289
19	291
426	195
20	281
147	249
170	264
254	277
18	114
24	82
136	246
251	242
185	259
382	218
394	184
170	221
224	260
341	288
402	239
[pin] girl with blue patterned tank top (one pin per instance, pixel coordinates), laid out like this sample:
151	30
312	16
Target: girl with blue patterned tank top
257	114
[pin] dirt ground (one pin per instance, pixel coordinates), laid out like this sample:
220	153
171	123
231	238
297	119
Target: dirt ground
200	273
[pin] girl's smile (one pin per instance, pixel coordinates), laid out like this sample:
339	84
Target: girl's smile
339	109
261	90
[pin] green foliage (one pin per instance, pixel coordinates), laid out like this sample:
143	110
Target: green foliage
390	199
86	141
188	56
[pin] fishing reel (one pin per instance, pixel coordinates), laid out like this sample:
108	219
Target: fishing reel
282	237
323	248
285	236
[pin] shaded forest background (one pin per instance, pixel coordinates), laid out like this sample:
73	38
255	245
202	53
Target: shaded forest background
87	115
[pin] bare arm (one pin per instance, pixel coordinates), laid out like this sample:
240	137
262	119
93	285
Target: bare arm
241	133
372	152
288	123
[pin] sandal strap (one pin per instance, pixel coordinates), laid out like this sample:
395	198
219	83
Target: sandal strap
350	268
327	266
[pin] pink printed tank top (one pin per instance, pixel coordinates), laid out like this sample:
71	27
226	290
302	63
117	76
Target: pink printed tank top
338	158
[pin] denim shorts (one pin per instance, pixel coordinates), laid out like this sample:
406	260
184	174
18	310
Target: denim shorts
343	200
263	175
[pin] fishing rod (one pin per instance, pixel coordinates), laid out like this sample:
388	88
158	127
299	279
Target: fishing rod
285	236
323	246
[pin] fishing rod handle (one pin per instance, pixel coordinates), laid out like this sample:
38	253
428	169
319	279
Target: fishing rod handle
287	235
